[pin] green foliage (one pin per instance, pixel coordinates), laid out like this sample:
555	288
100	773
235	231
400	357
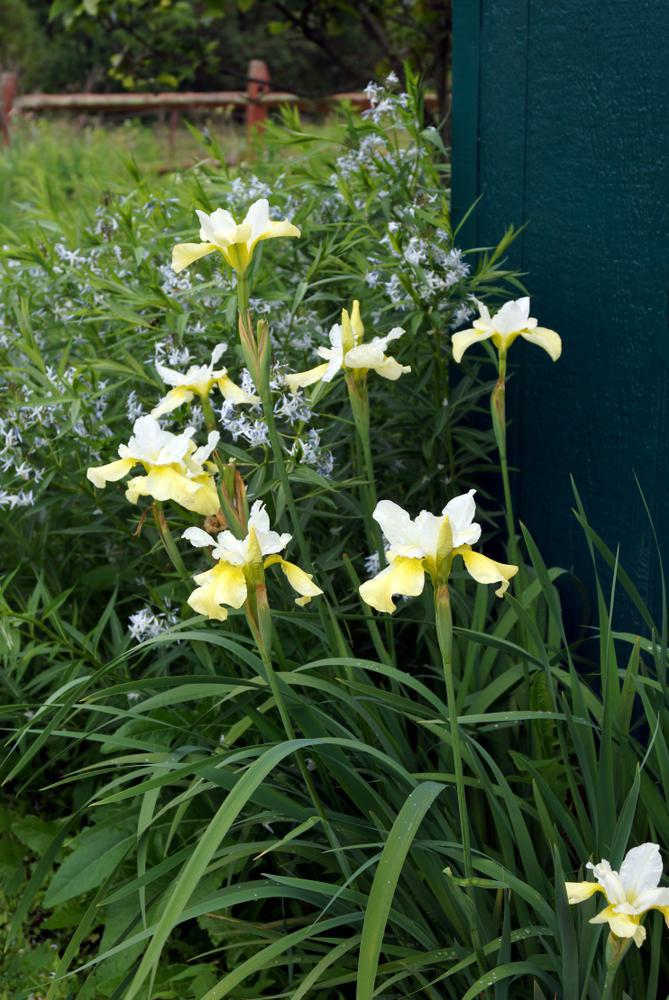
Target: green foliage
311	46
164	838
21	40
197	44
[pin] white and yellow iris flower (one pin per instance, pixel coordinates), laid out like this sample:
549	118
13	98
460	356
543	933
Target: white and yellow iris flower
236	241
175	468
629	893
511	321
239	560
347	352
199	380
416	547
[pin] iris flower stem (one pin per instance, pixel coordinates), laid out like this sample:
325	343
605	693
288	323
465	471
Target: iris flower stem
498	411
280	466
611	972
258	352
242	293
326	614
359	399
264	636
261	374
209	416
444	623
167	538
616	948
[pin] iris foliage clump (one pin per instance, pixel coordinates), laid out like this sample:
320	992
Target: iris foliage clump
214	790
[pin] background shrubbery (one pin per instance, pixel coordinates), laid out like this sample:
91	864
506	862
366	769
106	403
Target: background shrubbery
128	724
312	46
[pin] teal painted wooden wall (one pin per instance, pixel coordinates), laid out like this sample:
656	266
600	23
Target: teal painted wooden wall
560	120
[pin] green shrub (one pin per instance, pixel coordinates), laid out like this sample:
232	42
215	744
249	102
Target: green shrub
279	804
21	41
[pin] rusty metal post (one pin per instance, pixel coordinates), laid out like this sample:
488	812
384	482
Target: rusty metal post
257	85
8	87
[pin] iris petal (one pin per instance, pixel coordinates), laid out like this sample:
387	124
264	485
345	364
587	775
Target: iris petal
100	475
464	339
300	581
185	254
578	892
548	339
404	576
300	380
224	584
485	570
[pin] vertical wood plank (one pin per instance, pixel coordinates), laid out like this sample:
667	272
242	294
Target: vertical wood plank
574	134
465	125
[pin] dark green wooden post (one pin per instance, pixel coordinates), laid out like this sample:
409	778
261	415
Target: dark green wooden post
561	120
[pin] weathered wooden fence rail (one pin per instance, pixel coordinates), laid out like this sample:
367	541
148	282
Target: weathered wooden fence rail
257	99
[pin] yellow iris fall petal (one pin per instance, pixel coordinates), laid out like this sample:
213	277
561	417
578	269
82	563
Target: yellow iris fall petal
102	474
168	483
300	581
185	254
578	892
234	393
300	380
224	584
485	570
548	339
623	925
464	339
172	400
404	576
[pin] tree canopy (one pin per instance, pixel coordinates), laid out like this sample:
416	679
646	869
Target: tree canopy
207	44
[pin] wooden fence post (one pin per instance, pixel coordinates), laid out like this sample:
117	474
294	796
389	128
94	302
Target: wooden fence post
257	84
175	118
8	86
